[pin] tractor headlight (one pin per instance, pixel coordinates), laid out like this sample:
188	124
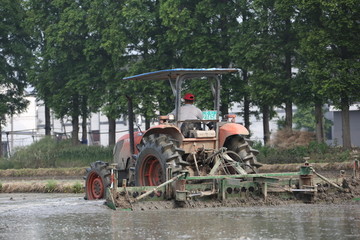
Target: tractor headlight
171	117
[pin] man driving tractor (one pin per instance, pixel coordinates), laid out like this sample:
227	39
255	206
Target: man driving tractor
189	111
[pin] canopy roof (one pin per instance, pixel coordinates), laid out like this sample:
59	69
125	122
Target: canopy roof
173	73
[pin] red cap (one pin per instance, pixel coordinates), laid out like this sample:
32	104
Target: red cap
189	96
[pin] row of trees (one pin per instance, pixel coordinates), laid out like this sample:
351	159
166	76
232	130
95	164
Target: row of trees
75	54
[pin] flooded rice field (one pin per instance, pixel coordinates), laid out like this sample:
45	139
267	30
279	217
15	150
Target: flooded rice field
68	216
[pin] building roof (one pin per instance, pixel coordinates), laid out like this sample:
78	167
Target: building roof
353	107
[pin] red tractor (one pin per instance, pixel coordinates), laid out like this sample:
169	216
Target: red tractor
165	146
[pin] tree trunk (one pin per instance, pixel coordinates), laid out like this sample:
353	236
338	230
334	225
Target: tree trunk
75	120
319	119
224	109
84	116
345	123
1	147
112	130
75	129
266	125
47	121
288	115
84	129
247	112
147	123
246	103
288	77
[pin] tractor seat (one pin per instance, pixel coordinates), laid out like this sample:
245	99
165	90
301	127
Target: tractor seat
187	127
203	133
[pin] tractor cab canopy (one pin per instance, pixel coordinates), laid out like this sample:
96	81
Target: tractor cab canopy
178	75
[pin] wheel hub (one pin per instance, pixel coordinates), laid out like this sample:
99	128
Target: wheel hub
152	172
95	186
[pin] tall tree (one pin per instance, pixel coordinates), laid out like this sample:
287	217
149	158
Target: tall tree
14	60
39	16
105	51
257	51
61	27
288	45
240	45
330	45
66	39
199	32
149	50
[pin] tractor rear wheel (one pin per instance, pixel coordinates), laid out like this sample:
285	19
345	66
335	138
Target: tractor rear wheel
97	180
157	153
247	154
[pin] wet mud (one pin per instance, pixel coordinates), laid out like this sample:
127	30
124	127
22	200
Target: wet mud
326	194
69	216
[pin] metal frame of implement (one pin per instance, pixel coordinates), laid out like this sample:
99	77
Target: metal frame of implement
183	187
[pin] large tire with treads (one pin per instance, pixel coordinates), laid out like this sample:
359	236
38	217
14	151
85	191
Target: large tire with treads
97	179
157	153
243	148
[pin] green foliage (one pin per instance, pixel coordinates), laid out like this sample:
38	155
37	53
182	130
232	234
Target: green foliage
50	186
280	123
82	49
197	31
329	33
317	152
305	118
200	35
48	153
14	58
77	187
262	45
0	186
33	172
5	163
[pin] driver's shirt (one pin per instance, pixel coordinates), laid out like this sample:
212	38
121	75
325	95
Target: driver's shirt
189	112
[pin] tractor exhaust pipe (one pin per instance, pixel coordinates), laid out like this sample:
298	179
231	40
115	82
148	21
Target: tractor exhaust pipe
131	124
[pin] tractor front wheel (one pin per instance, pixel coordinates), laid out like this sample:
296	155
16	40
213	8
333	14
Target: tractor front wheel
157	153
97	180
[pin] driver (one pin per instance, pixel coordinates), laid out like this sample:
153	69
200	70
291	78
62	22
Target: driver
188	111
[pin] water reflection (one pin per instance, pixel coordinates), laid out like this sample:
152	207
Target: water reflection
69	217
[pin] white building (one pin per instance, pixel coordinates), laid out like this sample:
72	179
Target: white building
336	130
25	128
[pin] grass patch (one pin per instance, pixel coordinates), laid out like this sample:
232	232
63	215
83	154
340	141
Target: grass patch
49	153
50	186
39	172
70	160
77	188
316	152
6	163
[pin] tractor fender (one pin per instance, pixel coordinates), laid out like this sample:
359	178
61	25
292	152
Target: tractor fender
230	129
169	130
122	151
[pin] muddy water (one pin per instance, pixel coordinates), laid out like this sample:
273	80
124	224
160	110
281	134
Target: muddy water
61	216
